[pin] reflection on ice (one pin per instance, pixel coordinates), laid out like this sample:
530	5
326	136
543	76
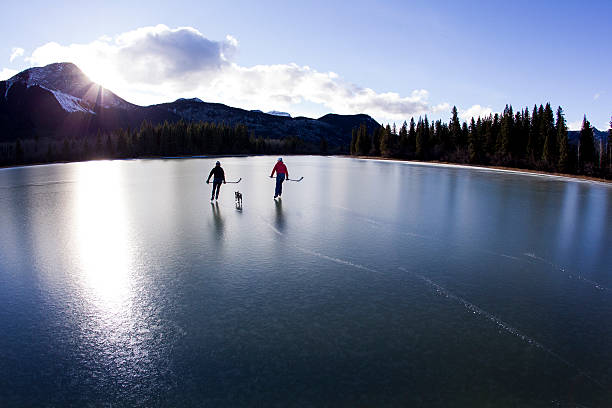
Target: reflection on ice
100	228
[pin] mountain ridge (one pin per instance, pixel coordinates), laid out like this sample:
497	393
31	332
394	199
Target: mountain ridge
59	100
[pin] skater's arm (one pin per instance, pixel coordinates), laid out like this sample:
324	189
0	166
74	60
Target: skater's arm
210	175
223	174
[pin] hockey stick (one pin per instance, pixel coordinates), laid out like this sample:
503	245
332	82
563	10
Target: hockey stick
288	179
230	182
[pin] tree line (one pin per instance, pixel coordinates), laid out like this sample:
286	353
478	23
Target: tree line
162	140
531	140
523	139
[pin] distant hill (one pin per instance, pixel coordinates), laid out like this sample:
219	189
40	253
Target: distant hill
574	136
346	123
58	100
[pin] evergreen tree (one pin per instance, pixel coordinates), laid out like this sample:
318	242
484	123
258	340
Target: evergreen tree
363	144
426	137
505	137
519	137
403	139
422	133
549	136
323	146
85	154
562	141
609	149
586	148
473	142
455	128
376	138
385	142
50	153
465	133
65	150
532	143
109	147
98	152
419	139
412	137
122	145
19	153
353	149
491	139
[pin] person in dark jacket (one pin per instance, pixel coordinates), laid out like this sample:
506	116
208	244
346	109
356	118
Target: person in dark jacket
281	173
219	177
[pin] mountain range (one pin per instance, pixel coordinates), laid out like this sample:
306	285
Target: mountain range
59	100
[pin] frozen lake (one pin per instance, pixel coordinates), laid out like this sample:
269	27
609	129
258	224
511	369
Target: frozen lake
369	284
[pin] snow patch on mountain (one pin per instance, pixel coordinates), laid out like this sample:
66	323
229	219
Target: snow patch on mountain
277	113
70	103
9	84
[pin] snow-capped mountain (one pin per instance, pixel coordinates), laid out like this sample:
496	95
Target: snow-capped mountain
278	113
72	89
59	101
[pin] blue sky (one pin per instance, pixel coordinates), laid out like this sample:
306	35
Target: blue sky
389	59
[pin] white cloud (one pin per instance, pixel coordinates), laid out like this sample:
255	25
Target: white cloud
6	73
441	107
475	111
16	52
575	125
158	64
596	96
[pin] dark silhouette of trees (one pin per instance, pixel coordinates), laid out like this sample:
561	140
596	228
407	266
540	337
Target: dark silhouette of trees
609	150
323	146
549	135
530	139
562	142
586	148
536	140
18	152
162	140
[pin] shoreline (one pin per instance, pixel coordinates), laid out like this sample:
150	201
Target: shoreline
514	170
502	169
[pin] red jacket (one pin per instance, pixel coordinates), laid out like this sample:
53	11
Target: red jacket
280	167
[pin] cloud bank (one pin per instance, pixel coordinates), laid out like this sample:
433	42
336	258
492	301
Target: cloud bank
158	64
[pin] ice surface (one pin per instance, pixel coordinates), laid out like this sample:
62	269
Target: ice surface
368	278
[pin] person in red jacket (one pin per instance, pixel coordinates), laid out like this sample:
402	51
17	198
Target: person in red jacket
281	174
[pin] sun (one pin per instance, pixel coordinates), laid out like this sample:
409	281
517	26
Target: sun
102	74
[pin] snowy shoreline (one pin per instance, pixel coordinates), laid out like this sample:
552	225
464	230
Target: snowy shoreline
511	170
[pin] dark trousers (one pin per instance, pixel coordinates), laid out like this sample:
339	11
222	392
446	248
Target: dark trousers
280	177
216	186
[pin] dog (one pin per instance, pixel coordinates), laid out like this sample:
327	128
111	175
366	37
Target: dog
238	198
